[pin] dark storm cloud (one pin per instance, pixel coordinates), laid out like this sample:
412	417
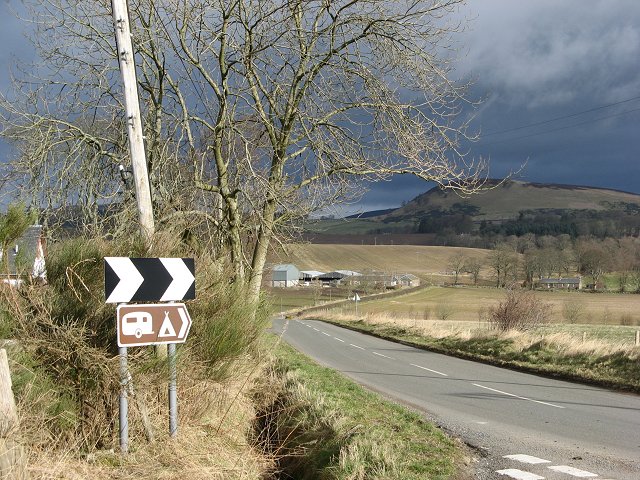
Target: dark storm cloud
536	61
532	61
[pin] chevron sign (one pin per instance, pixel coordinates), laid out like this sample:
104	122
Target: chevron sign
148	279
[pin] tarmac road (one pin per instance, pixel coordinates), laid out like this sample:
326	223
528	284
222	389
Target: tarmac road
522	426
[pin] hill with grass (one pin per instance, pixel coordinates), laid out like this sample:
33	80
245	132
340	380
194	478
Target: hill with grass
502	208
506	200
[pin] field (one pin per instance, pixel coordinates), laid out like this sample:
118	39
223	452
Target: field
467	304
427	262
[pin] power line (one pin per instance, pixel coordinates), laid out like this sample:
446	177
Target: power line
565	127
544	122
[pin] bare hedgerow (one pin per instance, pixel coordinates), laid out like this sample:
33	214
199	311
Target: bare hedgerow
520	310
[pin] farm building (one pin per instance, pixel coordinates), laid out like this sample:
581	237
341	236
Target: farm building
340	277
573	283
309	275
285	275
26	258
408	280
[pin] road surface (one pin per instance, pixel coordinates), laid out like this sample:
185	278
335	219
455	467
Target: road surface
522	426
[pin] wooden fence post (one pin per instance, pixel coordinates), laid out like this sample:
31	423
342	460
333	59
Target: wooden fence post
13	458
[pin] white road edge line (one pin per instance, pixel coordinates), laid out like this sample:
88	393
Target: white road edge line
429	370
339	339
356	346
381	355
518	396
574	472
519	474
527	459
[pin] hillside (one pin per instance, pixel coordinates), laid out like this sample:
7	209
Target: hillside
419	260
507	200
509	208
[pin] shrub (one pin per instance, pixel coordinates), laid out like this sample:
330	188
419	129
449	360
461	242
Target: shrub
572	311
68	335
521	310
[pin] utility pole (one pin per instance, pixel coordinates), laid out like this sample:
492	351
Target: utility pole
134	122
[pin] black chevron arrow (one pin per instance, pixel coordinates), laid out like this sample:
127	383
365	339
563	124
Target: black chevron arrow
148	279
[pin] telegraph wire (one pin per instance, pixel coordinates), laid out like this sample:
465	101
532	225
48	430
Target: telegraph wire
564	128
551	120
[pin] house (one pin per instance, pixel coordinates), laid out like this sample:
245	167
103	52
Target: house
25	258
572	283
285	275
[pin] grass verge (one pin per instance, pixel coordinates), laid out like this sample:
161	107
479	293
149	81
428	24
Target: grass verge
321	425
556	354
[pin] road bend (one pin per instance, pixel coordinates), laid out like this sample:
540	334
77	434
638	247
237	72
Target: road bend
522	426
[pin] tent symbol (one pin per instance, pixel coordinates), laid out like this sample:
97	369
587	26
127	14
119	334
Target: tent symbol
167	330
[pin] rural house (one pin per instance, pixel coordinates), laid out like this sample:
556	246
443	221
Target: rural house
572	283
26	258
285	275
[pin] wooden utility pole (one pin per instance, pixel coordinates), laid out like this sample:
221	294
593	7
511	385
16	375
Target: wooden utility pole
13	457
134	123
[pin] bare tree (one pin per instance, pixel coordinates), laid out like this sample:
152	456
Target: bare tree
456	264
473	267
504	262
257	112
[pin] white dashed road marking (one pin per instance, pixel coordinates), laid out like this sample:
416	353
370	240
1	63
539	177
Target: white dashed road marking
356	346
519	474
429	370
325	333
517	396
574	472
316	329
339	339
526	459
381	355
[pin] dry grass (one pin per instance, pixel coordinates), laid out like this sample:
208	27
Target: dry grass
213	442
565	342
467	304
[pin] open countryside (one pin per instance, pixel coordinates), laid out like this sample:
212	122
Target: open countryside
330	240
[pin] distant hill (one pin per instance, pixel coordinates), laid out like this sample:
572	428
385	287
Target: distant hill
507	200
504	208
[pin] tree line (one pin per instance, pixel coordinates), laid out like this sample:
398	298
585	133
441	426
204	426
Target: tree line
526	260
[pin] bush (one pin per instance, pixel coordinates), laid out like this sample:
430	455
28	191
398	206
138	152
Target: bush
521	310
68	337
573	311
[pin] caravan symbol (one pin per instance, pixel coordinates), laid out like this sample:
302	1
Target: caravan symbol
137	323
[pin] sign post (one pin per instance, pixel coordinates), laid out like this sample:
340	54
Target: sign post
149	279
173	390
356	299
124	400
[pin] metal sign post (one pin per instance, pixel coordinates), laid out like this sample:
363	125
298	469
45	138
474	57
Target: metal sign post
149	279
173	390
124	400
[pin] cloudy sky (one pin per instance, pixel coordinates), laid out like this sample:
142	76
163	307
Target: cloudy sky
560	82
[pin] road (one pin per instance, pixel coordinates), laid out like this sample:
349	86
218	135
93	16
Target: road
522	426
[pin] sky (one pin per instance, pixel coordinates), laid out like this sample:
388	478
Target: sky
560	84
